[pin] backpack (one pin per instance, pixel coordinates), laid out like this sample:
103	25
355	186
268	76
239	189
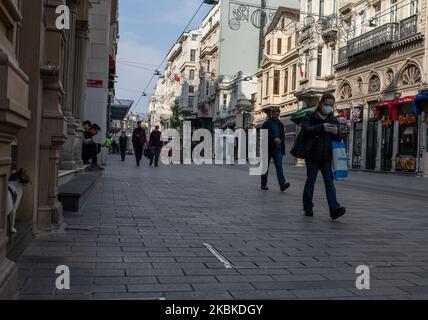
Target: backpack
302	146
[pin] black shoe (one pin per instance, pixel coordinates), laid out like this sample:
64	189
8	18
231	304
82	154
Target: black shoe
285	187
265	188
336	214
309	213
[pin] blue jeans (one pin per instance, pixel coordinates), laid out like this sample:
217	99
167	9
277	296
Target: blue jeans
277	158
312	168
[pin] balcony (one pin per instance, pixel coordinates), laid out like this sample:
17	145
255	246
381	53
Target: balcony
375	38
388	33
345	6
408	27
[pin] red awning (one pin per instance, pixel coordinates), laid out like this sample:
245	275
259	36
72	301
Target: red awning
392	107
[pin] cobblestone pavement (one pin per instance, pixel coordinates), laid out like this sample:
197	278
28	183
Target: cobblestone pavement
151	228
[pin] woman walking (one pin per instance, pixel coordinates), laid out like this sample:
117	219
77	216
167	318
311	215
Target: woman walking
320	128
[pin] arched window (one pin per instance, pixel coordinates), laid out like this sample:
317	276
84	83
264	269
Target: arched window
411	75
345	92
374	84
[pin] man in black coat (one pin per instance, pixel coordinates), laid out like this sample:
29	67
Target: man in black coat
320	128
276	137
139	140
155	144
123	143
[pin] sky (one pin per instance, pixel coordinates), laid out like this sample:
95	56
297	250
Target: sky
148	29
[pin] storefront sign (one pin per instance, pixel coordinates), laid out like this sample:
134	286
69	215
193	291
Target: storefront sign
406	119
94	83
405	163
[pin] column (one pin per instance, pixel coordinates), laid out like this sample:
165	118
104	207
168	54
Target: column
81	54
14	115
54	125
68	161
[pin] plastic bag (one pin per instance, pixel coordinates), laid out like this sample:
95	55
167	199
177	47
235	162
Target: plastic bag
340	161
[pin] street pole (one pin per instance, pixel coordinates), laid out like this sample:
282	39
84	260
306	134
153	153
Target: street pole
262	29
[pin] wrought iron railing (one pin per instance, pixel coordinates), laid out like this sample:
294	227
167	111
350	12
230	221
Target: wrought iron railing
380	36
408	27
343	53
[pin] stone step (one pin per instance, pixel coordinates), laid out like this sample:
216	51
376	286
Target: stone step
73	194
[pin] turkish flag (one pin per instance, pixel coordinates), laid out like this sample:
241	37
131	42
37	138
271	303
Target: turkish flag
177	78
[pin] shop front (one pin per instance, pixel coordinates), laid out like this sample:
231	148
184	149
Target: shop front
344	119
357	133
398	115
372	135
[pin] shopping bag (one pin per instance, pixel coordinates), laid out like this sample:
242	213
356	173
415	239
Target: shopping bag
340	161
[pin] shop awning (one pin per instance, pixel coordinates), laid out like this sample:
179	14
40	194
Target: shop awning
392	106
421	98
298	116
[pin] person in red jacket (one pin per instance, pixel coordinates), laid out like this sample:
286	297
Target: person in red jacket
155	144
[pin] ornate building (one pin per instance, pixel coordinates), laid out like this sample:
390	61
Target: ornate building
381	68
317	45
277	75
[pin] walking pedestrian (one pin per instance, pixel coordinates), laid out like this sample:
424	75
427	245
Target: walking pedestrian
139	140
123	143
155	144
276	137
320	128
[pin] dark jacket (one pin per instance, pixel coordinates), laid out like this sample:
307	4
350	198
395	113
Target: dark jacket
319	140
123	141
139	136
155	139
268	125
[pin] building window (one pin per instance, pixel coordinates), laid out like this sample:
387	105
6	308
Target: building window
283	23
333	61
322	8
394	9
193	55
286	81
279	48
267	84
276	80
194	37
309	6
414	7
268	47
289	43
191	89
294	78
207	89
261	90
208	65
224	101
191	100
192	75
319	62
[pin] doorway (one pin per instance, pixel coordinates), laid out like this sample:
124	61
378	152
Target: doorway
387	144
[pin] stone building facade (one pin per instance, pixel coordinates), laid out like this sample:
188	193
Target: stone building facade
278	73
317	51
381	68
42	94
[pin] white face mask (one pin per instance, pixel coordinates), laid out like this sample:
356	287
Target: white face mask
326	109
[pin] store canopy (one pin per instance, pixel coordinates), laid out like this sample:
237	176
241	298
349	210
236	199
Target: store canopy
120	108
421	98
392	107
298	116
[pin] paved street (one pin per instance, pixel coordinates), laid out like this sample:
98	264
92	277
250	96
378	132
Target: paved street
151	228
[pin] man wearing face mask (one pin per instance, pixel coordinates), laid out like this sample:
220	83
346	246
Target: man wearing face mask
321	128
